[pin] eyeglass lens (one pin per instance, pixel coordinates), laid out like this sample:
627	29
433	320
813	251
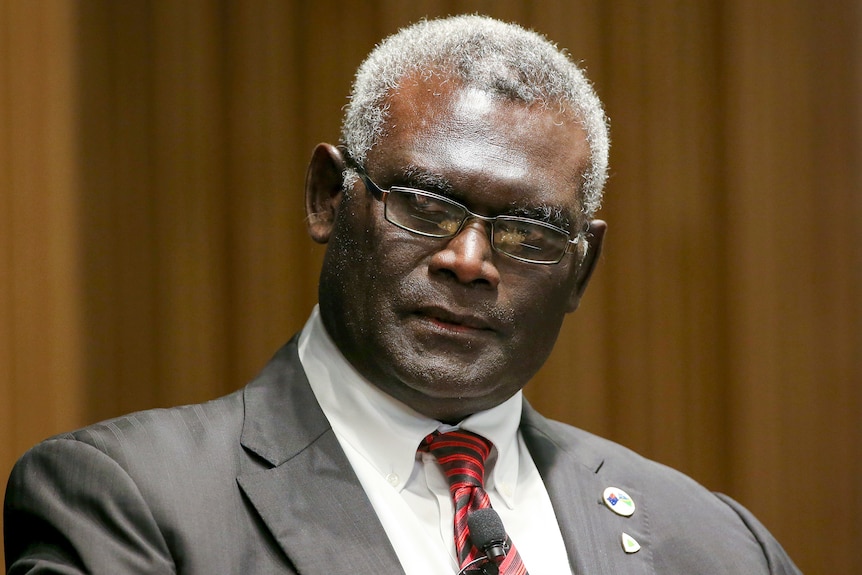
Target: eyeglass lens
433	216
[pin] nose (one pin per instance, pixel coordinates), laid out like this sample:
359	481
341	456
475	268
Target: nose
468	257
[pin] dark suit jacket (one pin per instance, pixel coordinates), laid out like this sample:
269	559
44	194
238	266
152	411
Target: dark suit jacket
256	482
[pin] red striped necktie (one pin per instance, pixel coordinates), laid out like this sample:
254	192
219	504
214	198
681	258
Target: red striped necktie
462	456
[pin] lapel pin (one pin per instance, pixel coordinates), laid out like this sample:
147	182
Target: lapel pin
618	501
629	544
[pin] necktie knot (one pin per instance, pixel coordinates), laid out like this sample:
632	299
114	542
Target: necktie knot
461	454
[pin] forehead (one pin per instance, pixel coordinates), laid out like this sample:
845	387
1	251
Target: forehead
480	141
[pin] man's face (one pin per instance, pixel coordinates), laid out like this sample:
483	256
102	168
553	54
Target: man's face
449	326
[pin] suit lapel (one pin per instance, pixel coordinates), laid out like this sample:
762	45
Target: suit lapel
574	478
307	493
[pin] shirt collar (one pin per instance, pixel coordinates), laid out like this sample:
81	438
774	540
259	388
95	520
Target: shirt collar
385	431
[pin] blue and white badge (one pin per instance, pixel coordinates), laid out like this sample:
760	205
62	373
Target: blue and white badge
618	501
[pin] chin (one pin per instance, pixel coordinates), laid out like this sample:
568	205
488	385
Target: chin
453	390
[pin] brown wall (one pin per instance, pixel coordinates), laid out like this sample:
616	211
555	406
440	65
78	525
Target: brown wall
152	248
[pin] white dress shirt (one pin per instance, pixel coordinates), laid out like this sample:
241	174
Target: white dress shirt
409	491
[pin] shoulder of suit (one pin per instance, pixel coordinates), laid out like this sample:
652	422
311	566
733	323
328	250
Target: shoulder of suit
177	433
195	420
682	514
609	459
184	434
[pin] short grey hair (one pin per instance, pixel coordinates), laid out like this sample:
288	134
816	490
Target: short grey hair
487	54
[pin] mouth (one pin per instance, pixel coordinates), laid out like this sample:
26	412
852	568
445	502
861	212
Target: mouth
453	321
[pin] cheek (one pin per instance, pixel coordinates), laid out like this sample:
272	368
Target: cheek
354	237
348	257
540	292
368	260
539	306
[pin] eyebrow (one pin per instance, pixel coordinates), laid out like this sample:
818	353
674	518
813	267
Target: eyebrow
415	177
554	215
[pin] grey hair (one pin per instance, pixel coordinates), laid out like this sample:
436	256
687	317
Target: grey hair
497	57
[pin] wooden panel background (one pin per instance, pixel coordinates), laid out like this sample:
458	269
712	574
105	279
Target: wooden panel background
152	247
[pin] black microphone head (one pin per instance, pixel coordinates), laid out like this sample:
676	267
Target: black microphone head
486	528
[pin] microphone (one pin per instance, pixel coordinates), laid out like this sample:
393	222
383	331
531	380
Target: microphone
488	534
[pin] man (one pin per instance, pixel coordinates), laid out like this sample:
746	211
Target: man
458	218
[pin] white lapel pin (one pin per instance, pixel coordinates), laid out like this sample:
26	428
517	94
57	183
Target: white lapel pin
629	544
618	501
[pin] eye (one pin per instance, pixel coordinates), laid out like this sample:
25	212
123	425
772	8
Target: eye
423	213
509	237
521	235
422	203
526	239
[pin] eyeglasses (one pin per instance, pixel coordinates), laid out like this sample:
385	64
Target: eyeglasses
436	216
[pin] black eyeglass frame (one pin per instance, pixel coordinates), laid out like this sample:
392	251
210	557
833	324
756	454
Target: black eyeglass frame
381	195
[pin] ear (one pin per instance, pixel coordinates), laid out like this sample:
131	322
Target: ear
324	189
594	236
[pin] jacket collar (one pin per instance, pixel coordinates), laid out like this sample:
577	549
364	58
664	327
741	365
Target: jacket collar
302	485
